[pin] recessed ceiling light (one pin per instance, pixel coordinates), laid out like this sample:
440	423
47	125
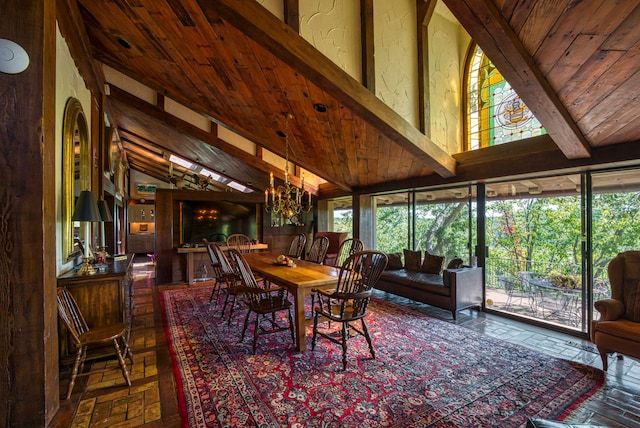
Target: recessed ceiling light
123	42
320	108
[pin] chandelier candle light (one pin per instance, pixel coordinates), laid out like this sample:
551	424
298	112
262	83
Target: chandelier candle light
288	200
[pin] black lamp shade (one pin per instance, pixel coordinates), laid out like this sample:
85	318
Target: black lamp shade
86	208
105	213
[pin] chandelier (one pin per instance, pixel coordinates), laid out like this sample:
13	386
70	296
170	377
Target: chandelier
287	200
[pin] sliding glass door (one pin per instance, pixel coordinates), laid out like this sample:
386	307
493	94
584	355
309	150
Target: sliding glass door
615	204
534	237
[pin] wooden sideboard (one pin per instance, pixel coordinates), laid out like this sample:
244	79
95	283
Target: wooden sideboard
104	298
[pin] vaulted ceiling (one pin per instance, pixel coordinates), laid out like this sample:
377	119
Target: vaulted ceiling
575	63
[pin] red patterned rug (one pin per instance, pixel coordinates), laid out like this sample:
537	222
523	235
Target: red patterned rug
427	373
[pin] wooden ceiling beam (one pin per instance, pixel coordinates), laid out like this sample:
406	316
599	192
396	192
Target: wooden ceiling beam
194	132
141	148
73	30
278	38
490	30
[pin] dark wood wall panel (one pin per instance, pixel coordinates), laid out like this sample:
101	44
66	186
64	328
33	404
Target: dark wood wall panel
28	320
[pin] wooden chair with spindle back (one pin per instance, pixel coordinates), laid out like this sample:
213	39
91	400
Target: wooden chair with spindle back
84	337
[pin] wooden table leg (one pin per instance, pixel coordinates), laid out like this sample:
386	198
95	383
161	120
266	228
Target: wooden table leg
190	269
300	319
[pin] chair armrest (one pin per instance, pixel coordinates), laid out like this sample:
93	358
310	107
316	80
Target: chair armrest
610	309
328	293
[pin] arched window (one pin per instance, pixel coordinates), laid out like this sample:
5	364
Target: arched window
495	112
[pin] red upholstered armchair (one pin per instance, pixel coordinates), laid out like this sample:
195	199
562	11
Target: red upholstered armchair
618	329
335	239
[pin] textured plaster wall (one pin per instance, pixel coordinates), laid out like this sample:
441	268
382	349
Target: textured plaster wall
396	56
447	49
274	6
333	27
69	83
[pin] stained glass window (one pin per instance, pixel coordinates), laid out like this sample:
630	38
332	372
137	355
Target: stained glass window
496	114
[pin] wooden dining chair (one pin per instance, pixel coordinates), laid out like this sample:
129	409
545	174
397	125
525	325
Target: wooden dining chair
264	301
349	301
347	248
84	337
318	250
296	249
230	276
219	275
239	241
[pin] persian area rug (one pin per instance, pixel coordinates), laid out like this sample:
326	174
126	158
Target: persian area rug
427	373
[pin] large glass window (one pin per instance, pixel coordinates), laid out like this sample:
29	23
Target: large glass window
534	236
495	112
442	223
391	222
615	225
342	214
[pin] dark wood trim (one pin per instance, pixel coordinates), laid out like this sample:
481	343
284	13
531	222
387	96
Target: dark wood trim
28	324
424	10
74	32
517	159
367	40
492	32
292	14
260	25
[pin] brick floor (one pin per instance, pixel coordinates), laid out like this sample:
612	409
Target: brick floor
104	400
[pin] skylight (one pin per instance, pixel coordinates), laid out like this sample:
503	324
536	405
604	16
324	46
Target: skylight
212	174
182	162
239	187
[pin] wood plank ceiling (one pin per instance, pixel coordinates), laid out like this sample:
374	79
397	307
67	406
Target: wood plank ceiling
575	63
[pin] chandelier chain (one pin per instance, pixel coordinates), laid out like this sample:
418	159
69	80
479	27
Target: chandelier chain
288	200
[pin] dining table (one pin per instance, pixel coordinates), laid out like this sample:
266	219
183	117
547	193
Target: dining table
192	250
299	280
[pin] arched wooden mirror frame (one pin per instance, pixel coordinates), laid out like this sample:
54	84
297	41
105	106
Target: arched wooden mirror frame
76	166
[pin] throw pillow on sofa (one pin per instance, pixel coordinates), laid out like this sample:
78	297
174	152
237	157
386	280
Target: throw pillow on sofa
395	261
455	263
412	260
432	264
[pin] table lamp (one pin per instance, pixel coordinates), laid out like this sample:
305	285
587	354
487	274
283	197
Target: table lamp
105	215
86	210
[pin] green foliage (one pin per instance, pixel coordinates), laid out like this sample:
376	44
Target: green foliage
443	229
561	280
392	228
343	221
534	234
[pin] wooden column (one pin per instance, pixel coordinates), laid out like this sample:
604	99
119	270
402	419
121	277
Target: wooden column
28	314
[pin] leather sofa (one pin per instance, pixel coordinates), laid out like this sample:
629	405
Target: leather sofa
618	329
453	290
